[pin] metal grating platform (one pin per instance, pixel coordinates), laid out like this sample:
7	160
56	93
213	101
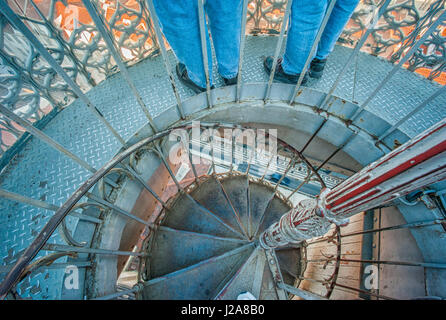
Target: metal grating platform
41	173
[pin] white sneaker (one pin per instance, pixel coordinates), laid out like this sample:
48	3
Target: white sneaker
246	296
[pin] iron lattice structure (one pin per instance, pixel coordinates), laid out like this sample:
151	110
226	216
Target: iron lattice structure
50	56
36	92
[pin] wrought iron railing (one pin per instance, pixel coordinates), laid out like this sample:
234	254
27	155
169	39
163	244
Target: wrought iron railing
100	190
35	91
47	67
245	158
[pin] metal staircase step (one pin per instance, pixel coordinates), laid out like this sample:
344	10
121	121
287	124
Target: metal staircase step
188	215
276	208
198	281
175	249
211	195
268	286
259	198
243	279
236	189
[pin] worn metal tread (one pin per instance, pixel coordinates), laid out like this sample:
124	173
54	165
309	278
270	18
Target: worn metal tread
198	281
186	214
176	249
259	198
243	279
211	196
268	287
236	189
276	209
57	179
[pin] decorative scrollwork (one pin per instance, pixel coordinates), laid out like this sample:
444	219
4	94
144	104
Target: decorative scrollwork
28	84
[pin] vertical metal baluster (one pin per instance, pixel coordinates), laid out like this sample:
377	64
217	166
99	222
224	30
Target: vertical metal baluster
105	34
410	114
306	180
144	184
381	85
43	205
394	70
241	49
20	198
189	155
288	168
358	46
19	25
313	49
159	38
65	248
274	267
267	167
116	209
46	139
160	154
354	134
420	224
306	295
278	48
42	136
403	60
211	144
137	288
251	155
204	50
314	134
231	169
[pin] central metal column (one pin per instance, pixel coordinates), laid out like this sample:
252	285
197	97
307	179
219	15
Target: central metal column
419	162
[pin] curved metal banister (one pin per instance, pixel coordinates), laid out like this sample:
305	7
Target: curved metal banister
427	30
56	220
261	17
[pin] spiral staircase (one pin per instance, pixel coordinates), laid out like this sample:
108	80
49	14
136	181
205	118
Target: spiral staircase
97	192
217	257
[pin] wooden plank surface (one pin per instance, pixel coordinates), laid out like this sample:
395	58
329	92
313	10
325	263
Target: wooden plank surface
349	272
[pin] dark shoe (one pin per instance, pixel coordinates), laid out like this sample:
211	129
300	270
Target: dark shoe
280	75
317	68
230	82
184	77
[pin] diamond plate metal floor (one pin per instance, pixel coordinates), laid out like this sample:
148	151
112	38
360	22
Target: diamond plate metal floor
41	173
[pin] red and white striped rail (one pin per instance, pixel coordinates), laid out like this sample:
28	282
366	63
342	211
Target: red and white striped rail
419	162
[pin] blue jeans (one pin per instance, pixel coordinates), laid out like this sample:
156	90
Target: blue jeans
180	25
305	20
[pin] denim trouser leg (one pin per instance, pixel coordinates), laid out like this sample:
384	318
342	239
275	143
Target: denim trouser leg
225	23
340	15
305	19
180	25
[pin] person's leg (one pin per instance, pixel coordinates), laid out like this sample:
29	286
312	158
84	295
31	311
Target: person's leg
305	20
180	26
225	23
339	17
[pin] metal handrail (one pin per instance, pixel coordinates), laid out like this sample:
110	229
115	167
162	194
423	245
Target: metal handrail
252	21
24	261
39	242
